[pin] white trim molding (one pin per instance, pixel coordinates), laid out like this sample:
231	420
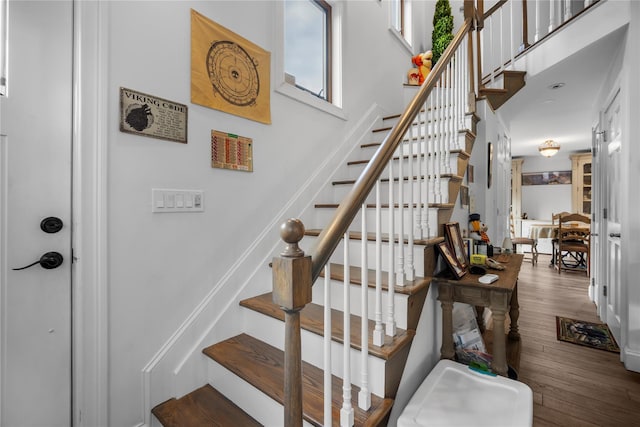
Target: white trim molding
90	271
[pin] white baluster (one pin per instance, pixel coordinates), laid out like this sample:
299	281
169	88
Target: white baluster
364	396
425	171
417	229
400	256
502	55
346	412
437	157
536	36
446	143
390	327
409	269
327	346
513	35
552	15
489	57
567	10
378	332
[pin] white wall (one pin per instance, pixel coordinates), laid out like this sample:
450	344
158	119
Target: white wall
161	266
542	201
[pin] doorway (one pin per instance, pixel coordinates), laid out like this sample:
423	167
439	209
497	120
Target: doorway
36	130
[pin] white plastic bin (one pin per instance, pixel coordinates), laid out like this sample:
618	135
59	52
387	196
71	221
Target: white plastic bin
454	395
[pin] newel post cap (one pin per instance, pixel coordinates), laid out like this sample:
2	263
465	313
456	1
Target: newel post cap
292	270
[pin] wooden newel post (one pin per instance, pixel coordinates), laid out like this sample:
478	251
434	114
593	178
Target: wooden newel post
292	291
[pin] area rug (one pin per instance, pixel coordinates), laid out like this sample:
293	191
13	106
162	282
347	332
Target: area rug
594	335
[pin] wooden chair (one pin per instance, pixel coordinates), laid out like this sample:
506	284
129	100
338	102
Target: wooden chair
554	241
515	241
574	239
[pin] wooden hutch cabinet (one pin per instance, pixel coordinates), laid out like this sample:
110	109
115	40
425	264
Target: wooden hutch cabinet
581	189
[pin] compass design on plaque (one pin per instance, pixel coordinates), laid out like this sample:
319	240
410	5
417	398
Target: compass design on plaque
233	73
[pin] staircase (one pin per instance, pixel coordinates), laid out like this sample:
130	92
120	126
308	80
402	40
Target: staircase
373	280
259	363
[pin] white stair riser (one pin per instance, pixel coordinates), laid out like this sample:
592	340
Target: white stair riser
271	330
337	301
250	399
341	190
320	217
355	255
451	166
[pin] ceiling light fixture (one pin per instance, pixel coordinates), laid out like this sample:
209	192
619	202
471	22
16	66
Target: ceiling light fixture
549	148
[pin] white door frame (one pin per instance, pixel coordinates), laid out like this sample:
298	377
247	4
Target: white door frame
90	272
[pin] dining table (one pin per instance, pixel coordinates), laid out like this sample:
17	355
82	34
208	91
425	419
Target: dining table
550	231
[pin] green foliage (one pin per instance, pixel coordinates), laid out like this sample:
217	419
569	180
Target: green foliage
442	29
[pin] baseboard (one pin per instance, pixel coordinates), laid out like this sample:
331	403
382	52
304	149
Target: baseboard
631	359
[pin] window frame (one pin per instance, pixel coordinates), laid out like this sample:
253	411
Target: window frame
405	32
332	105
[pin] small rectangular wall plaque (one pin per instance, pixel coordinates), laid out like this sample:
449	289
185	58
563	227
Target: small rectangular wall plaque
151	116
229	151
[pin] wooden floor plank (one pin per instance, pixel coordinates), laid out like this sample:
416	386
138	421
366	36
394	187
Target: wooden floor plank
573	385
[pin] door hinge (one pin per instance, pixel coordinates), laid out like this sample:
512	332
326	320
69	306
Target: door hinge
604	290
604	213
593	282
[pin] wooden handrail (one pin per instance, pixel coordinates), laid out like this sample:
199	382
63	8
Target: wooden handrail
331	235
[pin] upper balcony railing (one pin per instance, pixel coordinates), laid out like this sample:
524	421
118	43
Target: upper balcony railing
511	27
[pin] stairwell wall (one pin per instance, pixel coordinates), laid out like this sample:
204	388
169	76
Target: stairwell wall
161	266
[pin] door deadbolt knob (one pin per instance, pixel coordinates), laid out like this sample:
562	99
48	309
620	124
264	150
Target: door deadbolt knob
51	224
614	234
48	261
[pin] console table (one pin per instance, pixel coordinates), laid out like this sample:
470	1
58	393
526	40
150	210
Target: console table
500	296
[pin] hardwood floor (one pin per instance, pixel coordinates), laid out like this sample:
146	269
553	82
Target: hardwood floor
572	385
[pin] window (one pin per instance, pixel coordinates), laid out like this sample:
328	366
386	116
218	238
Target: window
400	21
306	30
307	46
3	47
397	15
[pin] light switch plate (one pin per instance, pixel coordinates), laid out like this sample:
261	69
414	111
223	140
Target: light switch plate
172	200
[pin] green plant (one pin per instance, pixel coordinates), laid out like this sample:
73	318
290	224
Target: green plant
442	29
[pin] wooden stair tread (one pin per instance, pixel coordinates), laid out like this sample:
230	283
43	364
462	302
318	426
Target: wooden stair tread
312	320
386	206
371	237
449	176
262	365
490	90
204	406
411	287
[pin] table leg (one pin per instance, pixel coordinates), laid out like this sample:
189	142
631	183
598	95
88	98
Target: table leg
499	343
447	350
514	315
480	318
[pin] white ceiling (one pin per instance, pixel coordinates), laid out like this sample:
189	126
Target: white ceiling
566	115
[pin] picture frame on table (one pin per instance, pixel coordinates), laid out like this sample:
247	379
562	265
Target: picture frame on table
454	237
452	262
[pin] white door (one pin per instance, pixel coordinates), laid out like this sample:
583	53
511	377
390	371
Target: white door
35	169
597	276
611	155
